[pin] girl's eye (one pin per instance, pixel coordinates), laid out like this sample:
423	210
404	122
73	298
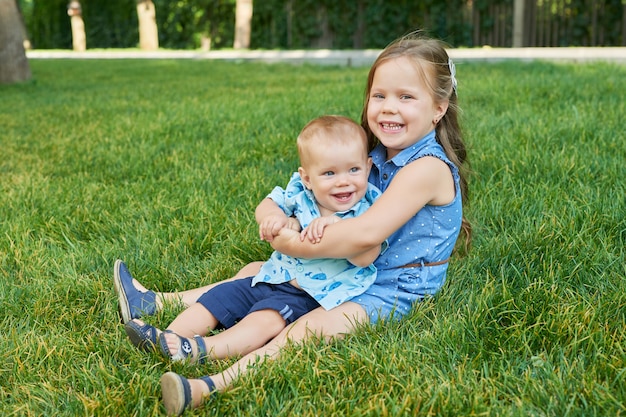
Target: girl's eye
377	95
406	97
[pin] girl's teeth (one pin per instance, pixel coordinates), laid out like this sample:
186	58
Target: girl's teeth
391	126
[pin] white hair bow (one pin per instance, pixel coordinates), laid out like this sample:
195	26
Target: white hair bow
452	73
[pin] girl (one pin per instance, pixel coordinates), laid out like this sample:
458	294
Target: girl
411	117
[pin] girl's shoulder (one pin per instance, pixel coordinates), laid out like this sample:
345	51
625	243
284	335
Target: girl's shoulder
426	167
430	176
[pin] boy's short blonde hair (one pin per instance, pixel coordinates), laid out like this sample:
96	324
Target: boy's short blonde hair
329	130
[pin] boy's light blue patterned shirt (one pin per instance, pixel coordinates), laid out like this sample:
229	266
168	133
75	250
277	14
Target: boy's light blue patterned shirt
330	281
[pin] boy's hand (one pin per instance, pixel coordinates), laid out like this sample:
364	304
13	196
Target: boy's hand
286	239
271	225
293	224
315	230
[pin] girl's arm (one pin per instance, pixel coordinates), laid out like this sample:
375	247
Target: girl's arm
427	180
366	258
316	228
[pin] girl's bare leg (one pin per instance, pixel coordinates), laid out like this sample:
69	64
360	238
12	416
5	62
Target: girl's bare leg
252	332
194	320
333	324
189	297
326	324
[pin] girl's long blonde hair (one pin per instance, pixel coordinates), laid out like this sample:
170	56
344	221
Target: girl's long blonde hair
433	63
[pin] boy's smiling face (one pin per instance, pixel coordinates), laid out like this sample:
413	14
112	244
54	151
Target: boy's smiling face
337	174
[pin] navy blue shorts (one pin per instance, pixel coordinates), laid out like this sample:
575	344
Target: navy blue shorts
231	301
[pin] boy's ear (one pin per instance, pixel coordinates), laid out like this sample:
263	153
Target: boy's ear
305	178
369	165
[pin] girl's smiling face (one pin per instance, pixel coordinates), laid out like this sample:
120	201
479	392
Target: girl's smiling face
400	108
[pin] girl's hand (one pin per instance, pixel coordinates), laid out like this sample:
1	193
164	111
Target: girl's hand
315	230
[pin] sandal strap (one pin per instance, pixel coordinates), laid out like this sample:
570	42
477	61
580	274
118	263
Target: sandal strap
185	351
143	336
184	347
207	380
187	391
202	353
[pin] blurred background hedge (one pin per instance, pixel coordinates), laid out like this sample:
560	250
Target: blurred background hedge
295	24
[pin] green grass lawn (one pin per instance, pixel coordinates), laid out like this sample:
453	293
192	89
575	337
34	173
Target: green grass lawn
161	163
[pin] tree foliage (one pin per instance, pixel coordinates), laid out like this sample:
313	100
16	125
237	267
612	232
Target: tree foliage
182	24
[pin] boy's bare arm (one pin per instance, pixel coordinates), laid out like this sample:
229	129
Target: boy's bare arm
315	230
271	218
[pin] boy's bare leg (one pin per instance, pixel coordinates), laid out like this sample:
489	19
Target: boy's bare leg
194	320
252	332
335	323
332	324
326	324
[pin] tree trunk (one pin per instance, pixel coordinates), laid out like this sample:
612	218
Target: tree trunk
13	63
624	24
325	40
148	34
518	23
79	40
359	33
243	23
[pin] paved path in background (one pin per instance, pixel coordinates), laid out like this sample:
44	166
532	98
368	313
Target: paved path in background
349	57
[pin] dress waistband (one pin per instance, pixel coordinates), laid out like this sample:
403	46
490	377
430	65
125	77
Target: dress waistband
416	265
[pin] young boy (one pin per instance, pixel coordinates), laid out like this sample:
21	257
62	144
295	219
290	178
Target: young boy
331	184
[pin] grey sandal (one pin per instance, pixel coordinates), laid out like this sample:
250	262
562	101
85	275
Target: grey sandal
176	392
185	352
